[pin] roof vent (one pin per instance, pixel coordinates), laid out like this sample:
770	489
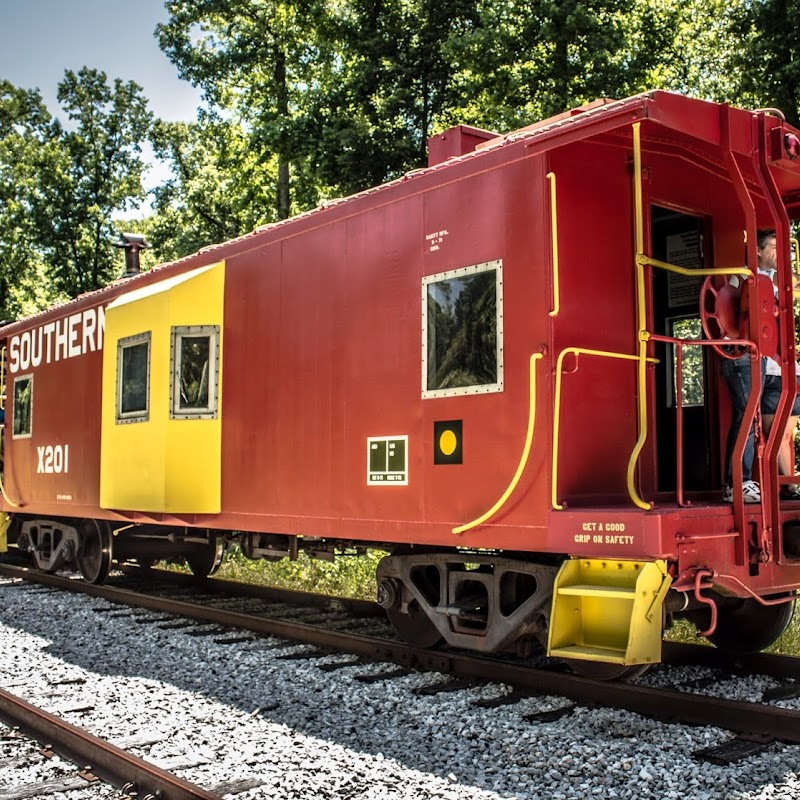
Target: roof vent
132	243
456	141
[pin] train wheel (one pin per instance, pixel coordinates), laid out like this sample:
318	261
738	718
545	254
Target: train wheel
750	627
414	628
599	671
205	561
94	553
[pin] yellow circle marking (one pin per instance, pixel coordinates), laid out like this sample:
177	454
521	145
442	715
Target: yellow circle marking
448	442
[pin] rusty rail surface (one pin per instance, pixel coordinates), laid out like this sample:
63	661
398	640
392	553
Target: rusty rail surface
669	705
98	757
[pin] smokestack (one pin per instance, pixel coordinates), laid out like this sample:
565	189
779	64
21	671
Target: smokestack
132	243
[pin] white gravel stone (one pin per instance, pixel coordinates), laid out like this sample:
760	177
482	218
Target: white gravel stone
228	713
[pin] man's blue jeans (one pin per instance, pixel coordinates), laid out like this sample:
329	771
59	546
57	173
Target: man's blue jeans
736	372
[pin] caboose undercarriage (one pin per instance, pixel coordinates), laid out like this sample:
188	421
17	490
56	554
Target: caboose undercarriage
606	618
92	546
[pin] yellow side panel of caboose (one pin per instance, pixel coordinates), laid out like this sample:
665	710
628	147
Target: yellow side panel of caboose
161	464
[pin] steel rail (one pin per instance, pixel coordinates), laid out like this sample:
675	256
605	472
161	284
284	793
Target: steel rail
674	706
100	758
673	653
682	653
271	594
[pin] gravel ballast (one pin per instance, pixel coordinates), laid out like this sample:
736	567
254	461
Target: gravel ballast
231	716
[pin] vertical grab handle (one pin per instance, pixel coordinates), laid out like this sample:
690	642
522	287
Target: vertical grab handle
551	177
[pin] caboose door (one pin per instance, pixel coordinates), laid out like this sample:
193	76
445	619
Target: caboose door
681	239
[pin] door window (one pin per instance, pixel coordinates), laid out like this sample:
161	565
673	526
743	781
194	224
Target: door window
195	372
133	378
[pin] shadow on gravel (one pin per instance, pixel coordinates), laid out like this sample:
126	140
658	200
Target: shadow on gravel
488	752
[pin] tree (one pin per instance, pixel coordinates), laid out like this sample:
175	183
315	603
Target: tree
699	56
769	58
256	60
340	96
28	145
527	61
216	190
393	82
94	172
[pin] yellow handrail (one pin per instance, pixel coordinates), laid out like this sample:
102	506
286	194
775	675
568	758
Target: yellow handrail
796	248
3	427
557	414
2	377
523	458
7	498
641	319
551	177
644	260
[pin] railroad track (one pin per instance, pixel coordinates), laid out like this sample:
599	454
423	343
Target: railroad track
97	759
756	723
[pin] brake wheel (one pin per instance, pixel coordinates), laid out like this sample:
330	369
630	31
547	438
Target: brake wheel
724	315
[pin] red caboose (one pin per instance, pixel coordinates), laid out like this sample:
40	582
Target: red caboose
494	366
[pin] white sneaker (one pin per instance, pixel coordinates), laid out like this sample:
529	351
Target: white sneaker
750	490
727	494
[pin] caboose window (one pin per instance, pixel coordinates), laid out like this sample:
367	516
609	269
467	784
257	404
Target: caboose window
23	407
195	372
133	378
462	331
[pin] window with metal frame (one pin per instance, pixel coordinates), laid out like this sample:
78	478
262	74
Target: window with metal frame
22	420
133	378
194	385
462	331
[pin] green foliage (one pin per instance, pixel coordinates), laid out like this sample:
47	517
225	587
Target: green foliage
788	644
346	576
96	172
60	186
769	59
394	80
700	43
525	61
259	61
218	188
28	144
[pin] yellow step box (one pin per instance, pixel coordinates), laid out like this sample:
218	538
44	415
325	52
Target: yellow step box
609	611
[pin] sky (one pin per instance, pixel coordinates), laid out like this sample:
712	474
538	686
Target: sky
39	39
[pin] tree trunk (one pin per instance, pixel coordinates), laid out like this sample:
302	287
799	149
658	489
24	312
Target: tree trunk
282	102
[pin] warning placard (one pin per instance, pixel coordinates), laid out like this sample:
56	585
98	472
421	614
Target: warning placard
387	461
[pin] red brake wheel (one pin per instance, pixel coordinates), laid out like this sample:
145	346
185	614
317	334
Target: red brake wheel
723	316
